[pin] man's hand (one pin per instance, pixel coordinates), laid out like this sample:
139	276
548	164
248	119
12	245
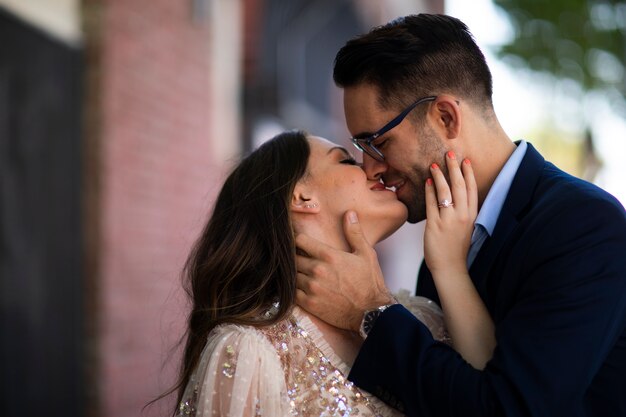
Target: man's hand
337	286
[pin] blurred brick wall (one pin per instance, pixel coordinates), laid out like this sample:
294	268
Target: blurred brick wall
157	179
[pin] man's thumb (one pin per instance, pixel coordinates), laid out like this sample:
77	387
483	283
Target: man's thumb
353	231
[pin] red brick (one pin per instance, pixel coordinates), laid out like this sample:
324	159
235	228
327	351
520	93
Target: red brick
158	180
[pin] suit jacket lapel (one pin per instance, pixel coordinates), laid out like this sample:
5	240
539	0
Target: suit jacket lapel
517	200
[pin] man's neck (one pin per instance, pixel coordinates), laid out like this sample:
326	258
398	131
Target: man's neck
488	156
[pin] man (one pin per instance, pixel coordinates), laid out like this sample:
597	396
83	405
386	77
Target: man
548	253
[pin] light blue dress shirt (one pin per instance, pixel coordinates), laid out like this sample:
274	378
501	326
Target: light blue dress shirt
492	206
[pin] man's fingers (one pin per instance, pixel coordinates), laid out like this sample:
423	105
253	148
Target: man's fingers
308	295
303	282
304	264
311	274
354	233
313	247
302	299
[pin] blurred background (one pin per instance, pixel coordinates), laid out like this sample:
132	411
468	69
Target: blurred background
119	120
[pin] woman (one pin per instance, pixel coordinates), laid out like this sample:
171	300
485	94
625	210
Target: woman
250	351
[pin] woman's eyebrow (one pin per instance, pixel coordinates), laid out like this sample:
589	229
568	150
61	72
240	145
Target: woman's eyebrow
340	148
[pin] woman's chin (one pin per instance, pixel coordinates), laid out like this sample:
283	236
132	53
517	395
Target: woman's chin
387	227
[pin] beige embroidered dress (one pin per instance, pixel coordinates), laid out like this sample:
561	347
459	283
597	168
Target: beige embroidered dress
286	369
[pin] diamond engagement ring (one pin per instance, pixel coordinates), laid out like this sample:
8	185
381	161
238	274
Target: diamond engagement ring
445	204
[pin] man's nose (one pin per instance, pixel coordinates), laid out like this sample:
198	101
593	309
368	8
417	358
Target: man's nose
373	168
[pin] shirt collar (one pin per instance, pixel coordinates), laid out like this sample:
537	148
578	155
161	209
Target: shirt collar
492	206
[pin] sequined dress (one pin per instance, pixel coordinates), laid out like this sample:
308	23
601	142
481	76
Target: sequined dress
286	369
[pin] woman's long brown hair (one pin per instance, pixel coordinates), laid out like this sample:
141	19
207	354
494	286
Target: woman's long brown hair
244	261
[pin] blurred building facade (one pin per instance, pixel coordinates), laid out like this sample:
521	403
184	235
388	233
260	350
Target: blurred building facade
119	120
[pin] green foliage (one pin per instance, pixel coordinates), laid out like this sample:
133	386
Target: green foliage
582	40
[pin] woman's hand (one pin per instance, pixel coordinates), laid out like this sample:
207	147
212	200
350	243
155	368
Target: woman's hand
451	212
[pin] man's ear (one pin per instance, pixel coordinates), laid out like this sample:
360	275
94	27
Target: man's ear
302	201
446	116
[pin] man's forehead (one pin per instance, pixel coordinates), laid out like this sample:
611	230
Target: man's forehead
362	109
366	94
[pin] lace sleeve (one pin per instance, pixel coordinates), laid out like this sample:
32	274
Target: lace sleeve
239	375
426	311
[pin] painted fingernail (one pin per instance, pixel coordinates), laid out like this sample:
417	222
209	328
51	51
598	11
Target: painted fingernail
466	161
429	181
451	155
434	166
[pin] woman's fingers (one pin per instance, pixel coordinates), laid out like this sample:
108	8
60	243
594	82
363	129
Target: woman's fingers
448	238
457	183
461	191
432	208
441	185
471	188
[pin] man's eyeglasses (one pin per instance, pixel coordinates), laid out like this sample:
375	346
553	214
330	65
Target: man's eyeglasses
364	144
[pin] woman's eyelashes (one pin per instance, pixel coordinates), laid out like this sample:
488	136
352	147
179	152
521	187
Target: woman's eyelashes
349	160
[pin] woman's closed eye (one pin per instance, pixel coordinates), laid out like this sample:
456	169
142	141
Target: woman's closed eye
345	156
350	161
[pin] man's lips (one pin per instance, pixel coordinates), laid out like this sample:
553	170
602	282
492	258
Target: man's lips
379	186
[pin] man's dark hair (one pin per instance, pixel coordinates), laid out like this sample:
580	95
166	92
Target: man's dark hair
416	56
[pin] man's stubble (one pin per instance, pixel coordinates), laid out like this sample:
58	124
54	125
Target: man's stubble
430	150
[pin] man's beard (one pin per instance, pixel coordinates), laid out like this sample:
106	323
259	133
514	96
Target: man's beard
430	145
416	200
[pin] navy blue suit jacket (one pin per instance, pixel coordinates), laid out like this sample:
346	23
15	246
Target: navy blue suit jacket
553	277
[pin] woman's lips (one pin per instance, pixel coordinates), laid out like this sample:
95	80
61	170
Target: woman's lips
393	187
379	186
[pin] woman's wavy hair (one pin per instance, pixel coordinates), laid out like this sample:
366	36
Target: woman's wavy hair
243	264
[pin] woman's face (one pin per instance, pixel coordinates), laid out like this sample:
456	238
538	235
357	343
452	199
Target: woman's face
340	184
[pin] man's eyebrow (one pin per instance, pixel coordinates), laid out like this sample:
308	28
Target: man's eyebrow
363	135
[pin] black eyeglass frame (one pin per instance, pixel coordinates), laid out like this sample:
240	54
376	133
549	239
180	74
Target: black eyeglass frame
365	144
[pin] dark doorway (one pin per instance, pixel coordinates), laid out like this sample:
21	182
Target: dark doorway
41	297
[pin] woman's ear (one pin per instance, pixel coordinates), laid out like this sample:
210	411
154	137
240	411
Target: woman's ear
447	114
303	202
